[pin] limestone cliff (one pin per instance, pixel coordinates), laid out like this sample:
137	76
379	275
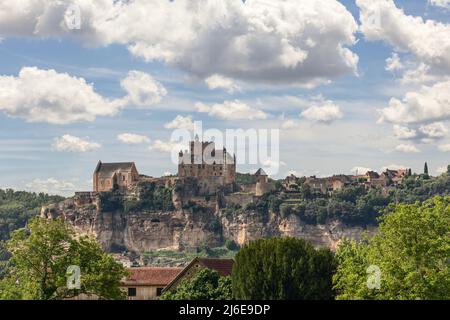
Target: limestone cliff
185	229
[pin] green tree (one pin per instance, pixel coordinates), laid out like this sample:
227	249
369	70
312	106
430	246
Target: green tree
425	170
41	255
448	169
204	285
231	245
411	250
282	268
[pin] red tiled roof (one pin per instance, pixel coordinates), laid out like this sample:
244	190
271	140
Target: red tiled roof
223	266
151	276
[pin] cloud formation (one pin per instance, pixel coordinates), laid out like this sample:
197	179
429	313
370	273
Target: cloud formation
51	186
217	81
74	144
427	40
407	148
299	42
131	138
325	112
48	96
143	90
430	103
231	110
290	124
166	146
180	122
38	95
440	3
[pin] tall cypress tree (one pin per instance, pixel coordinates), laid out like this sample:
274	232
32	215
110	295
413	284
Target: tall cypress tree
425	169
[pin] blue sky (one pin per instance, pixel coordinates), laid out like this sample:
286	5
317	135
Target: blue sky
349	136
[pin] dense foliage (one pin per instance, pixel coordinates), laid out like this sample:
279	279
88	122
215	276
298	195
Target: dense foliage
410	251
204	285
151	197
41	255
280	269
354	205
16	207
245	178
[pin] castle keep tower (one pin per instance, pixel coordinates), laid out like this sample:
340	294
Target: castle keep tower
262	183
213	168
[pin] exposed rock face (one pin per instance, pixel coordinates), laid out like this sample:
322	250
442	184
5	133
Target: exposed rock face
249	226
183	229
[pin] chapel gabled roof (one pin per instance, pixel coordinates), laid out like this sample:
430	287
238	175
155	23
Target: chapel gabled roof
108	169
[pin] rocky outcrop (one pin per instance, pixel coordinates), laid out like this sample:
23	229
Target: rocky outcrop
250	226
187	229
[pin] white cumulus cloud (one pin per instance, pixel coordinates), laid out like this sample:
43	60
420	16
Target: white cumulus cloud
326	112
51	186
180	122
48	96
217	81
231	110
427	40
143	90
430	103
293	41
290	124
38	95
132	138
434	130
74	144
407	148
440	3
404	133
393	63
166	146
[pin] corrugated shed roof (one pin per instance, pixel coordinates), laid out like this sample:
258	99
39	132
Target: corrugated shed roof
151	276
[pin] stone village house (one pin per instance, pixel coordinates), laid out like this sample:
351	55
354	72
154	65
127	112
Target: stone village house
147	283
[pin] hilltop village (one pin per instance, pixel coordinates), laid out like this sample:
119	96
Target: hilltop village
207	173
208	203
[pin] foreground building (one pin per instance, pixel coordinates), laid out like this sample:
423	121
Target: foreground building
223	266
147	283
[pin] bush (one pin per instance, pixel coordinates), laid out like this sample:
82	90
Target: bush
231	245
214	226
111	201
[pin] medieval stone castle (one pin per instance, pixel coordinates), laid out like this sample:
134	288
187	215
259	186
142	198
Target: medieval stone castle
211	171
203	169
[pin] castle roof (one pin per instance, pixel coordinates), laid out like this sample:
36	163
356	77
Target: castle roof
260	172
108	169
